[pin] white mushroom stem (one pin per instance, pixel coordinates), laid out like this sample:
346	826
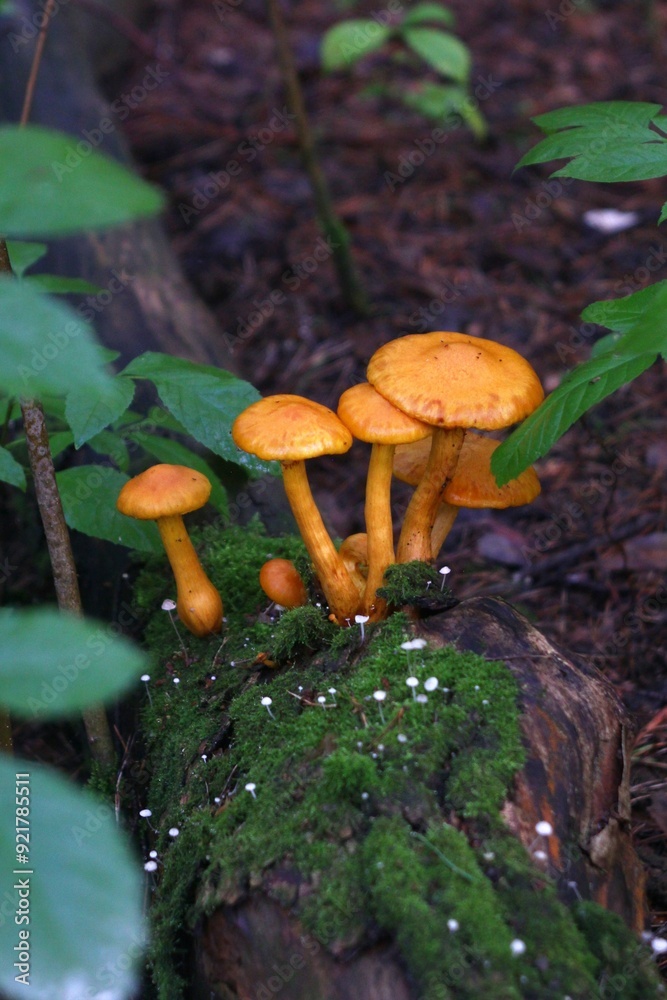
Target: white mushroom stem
198	603
415	538
379	527
338	587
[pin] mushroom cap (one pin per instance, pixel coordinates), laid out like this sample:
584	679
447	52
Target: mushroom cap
163	491
473	483
373	419
290	429
455	380
281	582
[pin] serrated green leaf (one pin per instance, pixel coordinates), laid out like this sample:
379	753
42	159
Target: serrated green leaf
58	285
54	664
11	471
605	141
445	53
112	444
69	192
206	401
589	383
86	931
663	214
89	494
430	12
346	43
46	348
88	411
175	453
22	255
649	334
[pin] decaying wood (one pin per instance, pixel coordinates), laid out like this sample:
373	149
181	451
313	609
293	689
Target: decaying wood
576	777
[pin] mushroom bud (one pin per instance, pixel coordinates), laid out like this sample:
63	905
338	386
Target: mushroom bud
163	494
281	582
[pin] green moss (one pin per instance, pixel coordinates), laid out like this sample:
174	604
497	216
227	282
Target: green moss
416	584
362	797
301	630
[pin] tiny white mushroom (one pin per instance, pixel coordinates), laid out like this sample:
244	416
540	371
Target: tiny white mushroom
544	828
250	787
145	813
150	866
380	696
168	604
659	945
402	738
267	702
174	831
412	683
322	699
421	698
152	854
431	683
361	620
444	573
452	925
517	946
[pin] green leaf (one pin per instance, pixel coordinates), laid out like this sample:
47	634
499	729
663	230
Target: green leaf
10	470
59	441
175	453
438	101
430	12
85	930
606	141
622	314
589	383
57	285
443	52
663	214
649	334
206	401
46	348
88	411
346	43
48	188
89	494
22	255
111	443
54	664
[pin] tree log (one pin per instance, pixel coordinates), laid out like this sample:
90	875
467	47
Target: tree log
575	777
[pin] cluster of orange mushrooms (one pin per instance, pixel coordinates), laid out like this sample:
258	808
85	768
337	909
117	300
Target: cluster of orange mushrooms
426	396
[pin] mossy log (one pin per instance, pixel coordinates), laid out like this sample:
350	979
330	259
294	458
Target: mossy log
359	820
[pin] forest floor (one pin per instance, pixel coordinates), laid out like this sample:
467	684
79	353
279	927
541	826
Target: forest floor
445	237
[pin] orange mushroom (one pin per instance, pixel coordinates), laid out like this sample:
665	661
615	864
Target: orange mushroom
452	381
373	419
163	494
291	429
281	582
472	484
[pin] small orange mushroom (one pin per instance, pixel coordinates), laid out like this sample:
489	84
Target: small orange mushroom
291	429
163	494
472	484
281	582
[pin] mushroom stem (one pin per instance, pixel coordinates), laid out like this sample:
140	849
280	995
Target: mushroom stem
339	589
415	539
198	603
379	527
444	520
